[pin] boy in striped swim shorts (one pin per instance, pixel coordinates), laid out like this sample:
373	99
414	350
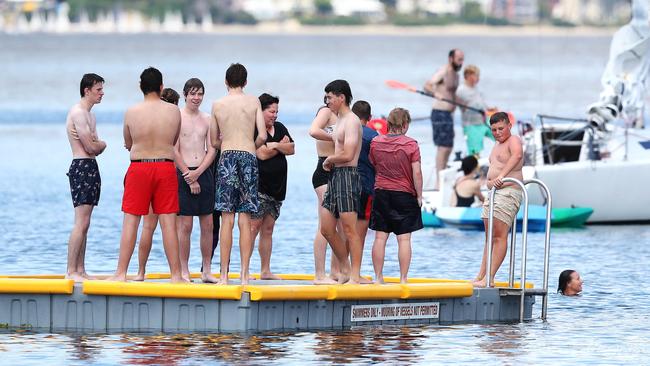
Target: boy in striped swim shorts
341	199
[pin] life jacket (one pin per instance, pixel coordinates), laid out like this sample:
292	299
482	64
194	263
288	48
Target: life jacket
378	124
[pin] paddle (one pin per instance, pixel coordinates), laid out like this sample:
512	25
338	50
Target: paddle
400	85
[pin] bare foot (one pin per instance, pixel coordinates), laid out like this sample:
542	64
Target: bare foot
139	277
186	276
208	278
365	281
223	281
244	278
117	278
343	279
87	276
178	279
379	281
335	276
479	283
324	281
352	282
76	277
269	276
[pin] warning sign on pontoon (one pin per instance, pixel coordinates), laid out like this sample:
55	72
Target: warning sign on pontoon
421	310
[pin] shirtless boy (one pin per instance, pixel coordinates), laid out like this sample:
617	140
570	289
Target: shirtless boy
85	182
506	160
344	186
151	130
235	118
194	156
443	85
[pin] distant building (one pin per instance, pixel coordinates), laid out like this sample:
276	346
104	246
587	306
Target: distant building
371	9
433	7
265	10
516	11
593	12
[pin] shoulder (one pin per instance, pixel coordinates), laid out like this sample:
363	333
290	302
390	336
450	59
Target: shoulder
77	113
324	111
514	140
252	100
280	126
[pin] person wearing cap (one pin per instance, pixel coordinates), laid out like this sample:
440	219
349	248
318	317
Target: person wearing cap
468	186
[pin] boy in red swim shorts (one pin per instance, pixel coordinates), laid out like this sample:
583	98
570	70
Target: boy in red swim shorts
151	129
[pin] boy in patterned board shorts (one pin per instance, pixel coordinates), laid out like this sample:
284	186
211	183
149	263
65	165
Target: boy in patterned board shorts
235	118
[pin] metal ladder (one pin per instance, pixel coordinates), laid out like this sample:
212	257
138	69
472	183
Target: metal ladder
522	291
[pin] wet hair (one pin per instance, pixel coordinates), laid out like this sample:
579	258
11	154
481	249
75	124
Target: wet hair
499	117
193	84
362	109
397	118
170	95
452	52
471	70
267	99
563	281
88	81
340	87
468	164
236	75
151	80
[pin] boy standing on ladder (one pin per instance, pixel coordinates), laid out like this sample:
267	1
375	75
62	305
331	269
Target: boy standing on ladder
506	161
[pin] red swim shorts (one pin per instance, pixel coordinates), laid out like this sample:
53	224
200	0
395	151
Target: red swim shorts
150	183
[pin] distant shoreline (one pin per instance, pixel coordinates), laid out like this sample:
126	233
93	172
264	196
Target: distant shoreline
294	28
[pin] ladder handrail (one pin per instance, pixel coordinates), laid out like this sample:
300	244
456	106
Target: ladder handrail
547	243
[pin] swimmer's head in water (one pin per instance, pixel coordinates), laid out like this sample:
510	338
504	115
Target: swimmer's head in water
569	283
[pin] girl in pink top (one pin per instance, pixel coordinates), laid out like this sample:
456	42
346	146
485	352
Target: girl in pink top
398	192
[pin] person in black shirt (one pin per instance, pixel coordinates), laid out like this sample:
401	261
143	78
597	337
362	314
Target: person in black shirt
272	164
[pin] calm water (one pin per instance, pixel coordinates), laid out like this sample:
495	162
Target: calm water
608	325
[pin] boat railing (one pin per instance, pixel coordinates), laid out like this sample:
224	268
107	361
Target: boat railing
524	240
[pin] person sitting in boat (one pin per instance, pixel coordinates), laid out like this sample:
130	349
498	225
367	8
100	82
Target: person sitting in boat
569	283
468	186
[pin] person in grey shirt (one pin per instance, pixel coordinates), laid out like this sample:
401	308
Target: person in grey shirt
474	127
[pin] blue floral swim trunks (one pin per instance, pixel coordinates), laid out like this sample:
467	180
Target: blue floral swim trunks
85	182
236	188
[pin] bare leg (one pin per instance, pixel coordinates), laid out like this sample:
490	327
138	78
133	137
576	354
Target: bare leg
266	247
328	229
170	243
146	239
216	218
378	254
81	265
127	244
184	229
442	158
349	220
404	256
225	235
205	222
499	250
362	230
320	243
245	245
335	271
76	243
